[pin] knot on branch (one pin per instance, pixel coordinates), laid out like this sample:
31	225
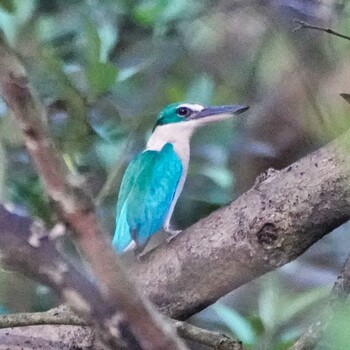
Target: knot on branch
37	233
31	133
267	235
20	80
15	88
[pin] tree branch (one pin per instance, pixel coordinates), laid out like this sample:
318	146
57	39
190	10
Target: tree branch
305	25
216	340
64	316
57	316
54	337
145	327
268	226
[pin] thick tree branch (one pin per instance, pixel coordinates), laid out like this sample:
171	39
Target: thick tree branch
146	326
268	226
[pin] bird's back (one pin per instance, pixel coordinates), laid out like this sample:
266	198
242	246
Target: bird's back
145	196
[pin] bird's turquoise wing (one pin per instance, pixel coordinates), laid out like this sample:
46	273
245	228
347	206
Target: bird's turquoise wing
147	190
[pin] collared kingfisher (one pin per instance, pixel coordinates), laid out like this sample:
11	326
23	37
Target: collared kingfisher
154	179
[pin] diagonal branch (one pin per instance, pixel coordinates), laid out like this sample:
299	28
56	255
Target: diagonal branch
27	248
305	25
148	329
268	226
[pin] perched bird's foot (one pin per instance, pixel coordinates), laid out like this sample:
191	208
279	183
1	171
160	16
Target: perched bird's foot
172	233
140	256
139	253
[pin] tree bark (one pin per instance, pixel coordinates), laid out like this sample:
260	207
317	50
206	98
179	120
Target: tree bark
62	327
51	337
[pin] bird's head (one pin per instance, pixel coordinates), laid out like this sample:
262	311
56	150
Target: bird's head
195	115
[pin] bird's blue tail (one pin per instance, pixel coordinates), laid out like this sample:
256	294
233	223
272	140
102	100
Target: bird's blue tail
122	238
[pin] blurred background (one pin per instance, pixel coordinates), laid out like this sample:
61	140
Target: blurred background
105	68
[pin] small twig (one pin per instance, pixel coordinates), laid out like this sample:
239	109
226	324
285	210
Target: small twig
65	316
305	25
56	316
216	340
339	293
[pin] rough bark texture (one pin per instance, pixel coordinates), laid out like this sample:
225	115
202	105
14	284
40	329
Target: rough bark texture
271	224
52	337
69	330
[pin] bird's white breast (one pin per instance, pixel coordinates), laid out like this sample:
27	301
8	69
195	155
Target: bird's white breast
177	134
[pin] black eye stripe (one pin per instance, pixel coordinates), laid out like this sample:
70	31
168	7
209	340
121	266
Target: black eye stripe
183	111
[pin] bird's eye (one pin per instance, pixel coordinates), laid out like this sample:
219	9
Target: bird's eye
183	111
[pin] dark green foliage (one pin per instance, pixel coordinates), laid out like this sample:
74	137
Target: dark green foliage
8	5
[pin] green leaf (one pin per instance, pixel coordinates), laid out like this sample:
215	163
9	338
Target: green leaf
237	324
8	5
269	304
108	130
277	307
93	43
220	175
293	305
28	189
108	35
109	153
100	77
148	12
284	345
159	12
179	9
10	134
337	333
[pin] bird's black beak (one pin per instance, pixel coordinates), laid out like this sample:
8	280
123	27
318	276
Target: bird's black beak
223	111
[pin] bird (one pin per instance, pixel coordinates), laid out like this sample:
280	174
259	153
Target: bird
154	179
